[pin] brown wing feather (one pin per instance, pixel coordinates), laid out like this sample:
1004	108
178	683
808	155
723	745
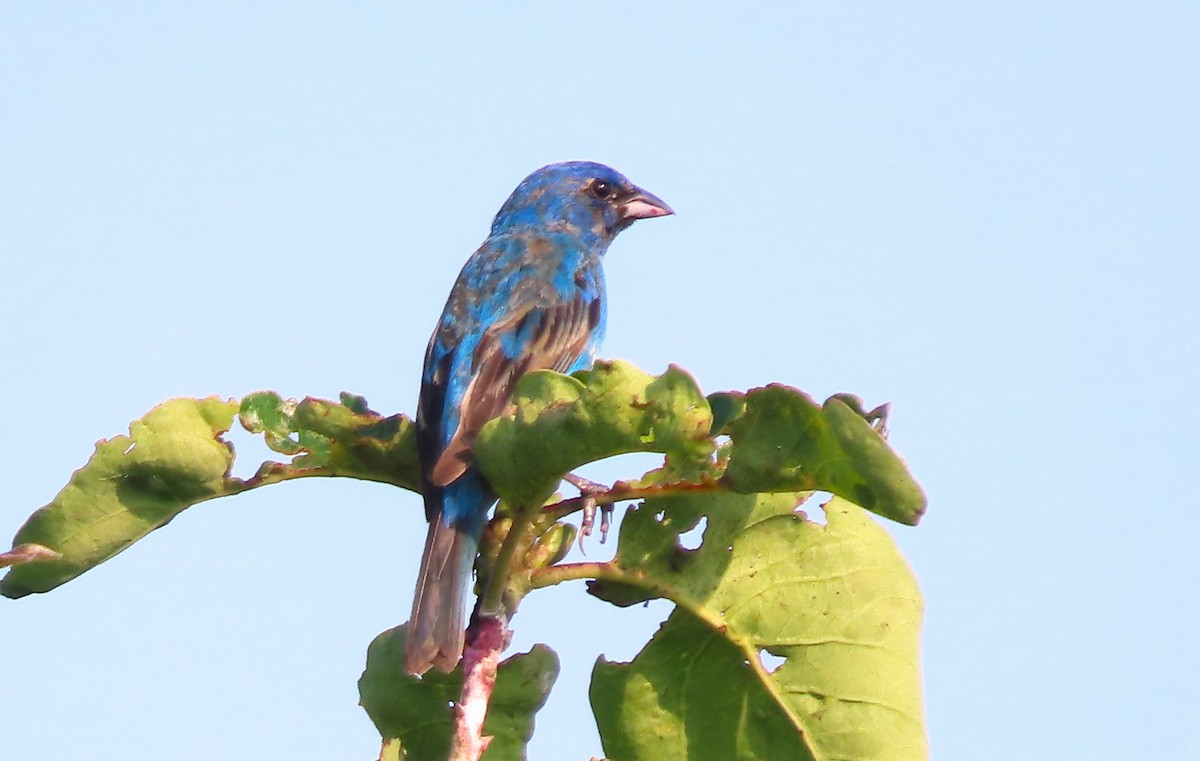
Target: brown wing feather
561	338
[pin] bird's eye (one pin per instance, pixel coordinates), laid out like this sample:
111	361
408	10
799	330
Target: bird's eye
602	189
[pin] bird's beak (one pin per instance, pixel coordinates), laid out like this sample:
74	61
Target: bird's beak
643	205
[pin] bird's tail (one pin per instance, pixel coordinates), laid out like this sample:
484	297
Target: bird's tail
435	629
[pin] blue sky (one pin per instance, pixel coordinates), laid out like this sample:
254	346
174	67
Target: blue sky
986	214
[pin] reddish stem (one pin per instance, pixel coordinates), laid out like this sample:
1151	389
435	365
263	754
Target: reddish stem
487	637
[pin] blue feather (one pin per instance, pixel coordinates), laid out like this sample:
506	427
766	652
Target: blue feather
530	298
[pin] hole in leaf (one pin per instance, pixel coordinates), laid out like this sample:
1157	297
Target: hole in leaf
694	537
814	501
770	662
250	450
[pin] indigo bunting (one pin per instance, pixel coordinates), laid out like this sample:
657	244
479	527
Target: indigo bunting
530	298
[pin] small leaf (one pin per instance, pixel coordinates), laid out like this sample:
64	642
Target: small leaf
726	407
417	711
551	547
268	413
783	441
357	444
522	687
414	711
563	422
357	404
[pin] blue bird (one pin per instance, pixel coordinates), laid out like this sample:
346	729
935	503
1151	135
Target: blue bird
530	298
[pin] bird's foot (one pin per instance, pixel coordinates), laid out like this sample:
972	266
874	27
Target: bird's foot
587	497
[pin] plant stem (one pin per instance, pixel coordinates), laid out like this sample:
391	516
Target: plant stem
492	603
557	574
487	638
622	491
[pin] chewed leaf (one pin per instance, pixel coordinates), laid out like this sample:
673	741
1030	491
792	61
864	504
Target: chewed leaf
176	456
782	441
268	413
790	639
352	441
562	422
172	458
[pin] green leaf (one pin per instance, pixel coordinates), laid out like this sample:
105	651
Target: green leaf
687	695
782	441
726	407
332	439
415	712
837	602
173	458
563	422
522	686
268	413
176	457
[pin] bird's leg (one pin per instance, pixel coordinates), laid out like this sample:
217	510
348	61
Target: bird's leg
587	494
584	485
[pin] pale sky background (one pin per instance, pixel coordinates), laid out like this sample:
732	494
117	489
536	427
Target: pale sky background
986	213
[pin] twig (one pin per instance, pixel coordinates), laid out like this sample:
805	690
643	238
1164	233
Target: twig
492	601
487	637
622	491
557	574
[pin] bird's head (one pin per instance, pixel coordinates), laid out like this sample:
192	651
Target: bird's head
584	198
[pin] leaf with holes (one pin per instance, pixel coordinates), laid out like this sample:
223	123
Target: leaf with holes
783	441
172	458
562	422
332	439
176	456
836	602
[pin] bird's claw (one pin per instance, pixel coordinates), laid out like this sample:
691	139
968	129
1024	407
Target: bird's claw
587	498
589	519
606	514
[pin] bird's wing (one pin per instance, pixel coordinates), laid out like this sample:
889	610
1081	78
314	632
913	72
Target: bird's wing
541	338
